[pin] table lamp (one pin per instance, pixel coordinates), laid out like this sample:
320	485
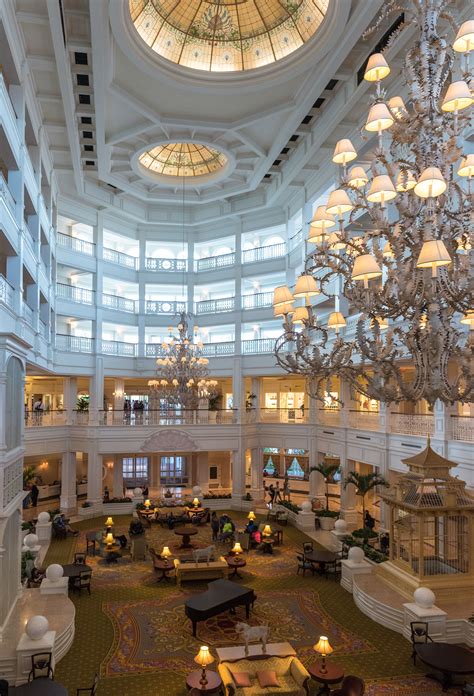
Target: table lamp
267	530
196	502
147	504
109	539
109	522
323	648
203	658
251	516
166	553
237	548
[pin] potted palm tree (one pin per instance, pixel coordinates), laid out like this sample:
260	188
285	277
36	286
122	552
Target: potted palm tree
364	483
327	469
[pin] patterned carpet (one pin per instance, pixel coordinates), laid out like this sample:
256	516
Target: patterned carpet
133	630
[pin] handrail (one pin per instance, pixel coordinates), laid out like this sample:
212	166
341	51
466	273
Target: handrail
263	253
81	245
119	258
257	300
164	306
124	304
166	265
220	304
75	293
209	263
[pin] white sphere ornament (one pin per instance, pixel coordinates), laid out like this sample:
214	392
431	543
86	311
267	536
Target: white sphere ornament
37	627
137	492
54	572
44	517
197	490
424	597
306	506
31	540
340	526
356	554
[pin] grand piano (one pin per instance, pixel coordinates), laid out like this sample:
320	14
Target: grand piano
220	596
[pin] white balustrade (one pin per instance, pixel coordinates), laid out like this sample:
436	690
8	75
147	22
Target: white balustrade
274	251
164	307
257	300
119	348
258	345
6	292
119	258
123	304
417	424
166	265
329	416
74	244
213	262
282	415
27	313
222	304
215	349
75	294
7	196
37	419
74	344
167	417
364	420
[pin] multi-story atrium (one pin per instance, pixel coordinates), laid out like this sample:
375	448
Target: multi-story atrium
236	347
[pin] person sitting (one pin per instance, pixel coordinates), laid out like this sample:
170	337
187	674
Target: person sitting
171	520
251	527
227	531
122	540
61	523
351	686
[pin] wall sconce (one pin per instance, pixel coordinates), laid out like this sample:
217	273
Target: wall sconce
44	465
110	465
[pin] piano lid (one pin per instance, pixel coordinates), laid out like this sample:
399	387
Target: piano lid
218	592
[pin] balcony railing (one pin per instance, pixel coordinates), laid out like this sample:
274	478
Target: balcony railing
74	344
364	420
119	348
37	419
222	304
257	300
212	262
281	415
43	330
119	258
258	345
5	192
74	244
462	428
75	294
6	292
274	251
27	313
295	240
166	265
167	417
164	307
327	416
123	304
420	424
214	349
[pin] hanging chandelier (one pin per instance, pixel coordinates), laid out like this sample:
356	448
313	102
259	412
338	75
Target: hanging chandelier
396	238
182	374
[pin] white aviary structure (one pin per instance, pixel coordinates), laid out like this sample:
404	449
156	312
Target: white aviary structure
252	634
208	553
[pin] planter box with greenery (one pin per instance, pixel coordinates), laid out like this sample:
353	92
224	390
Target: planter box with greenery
118	506
327	519
371	554
300	518
89	510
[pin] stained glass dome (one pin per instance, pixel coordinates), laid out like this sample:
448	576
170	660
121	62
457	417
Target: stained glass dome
183	159
226	35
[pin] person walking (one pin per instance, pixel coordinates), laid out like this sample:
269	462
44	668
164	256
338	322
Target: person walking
277	496
271	493
34	493
215	526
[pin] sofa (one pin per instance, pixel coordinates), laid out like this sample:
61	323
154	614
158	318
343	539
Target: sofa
291	673
200	571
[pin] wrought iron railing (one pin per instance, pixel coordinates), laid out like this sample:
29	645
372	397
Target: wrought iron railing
123	304
212	262
215	349
258	345
74	244
6	292
418	424
119	348
27	313
6	194
222	304
74	344
74	293
274	251
40	418
167	417
282	415
119	258
462	428
257	300
164	307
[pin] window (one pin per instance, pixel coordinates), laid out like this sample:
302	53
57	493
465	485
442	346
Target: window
135	470
213	473
173	470
295	470
270	450
269	469
296	451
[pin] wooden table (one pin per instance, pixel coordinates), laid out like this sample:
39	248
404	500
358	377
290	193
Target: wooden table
194	511
446	658
214	682
333	675
321	556
147	513
73	570
268	544
40	687
112	553
163	568
235	562
186	533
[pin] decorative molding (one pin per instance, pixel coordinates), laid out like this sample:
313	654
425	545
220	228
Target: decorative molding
169	441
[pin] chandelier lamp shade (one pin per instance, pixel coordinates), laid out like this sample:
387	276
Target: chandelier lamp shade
402	257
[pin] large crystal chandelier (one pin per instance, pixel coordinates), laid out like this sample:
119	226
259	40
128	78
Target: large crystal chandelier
396	239
182	374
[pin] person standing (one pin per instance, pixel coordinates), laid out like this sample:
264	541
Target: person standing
34	493
286	487
277	496
271	493
214	526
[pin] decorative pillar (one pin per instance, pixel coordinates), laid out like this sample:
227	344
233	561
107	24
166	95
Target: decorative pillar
96	396
94	478
238	475
117	489
256	474
348	497
69	398
202	471
68	498
238	393
119	389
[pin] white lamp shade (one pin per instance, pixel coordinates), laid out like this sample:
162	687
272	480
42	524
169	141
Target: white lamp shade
336	321
388	251
357	177
204	656
381	321
339	202
377	68
344	152
430	184
397	107
321	219
165	553
457	97
281	295
285	308
323	646
379	118
468	319
467	166
405	180
365	268
301	315
305	286
464	41
381	189
335	241
237	548
433	254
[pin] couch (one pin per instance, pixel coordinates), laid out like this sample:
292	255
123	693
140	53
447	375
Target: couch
200	571
291	673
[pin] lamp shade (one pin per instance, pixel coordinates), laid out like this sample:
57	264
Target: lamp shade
147	504
109	522
321	219
109	539
344	152
357	177
267	530
457	97
323	646
286	308
430	184
281	295
301	315
381	189
165	553
381	321
237	548
397	107
336	321
379	118
338	203
204	656
388	251
405	180
305	286
468	319
464	41
365	268
377	68
467	166
251	515
335	241
196	502
433	254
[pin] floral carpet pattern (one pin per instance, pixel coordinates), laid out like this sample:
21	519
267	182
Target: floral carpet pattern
133	631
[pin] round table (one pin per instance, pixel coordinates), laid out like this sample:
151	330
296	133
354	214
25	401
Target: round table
446	658
186	533
321	556
214	682
163	568
333	675
40	687
194	511
267	544
147	513
73	570
234	563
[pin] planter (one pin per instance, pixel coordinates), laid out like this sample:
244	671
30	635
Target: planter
117	508
217	503
327	523
93	511
302	520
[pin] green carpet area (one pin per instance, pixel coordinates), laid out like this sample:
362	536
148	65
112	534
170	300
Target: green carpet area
131	623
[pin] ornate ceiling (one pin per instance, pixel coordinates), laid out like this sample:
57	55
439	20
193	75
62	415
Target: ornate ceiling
226	35
183	159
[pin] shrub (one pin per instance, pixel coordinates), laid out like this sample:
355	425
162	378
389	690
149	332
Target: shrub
364	533
27	526
290	506
216	496
327	513
121	500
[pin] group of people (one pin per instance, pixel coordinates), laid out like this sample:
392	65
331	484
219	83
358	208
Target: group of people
222	527
135	407
277	494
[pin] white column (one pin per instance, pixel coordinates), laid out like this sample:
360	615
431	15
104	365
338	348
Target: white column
3	400
119	388
238	474
348	497
117	490
202	474
96	402
256	474
94	478
237	390
68	497
69	398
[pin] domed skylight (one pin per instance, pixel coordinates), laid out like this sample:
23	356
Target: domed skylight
183	159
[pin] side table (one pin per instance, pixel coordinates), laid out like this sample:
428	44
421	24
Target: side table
333	675
213	686
234	564
163	568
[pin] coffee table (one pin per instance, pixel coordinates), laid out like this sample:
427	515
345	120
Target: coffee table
213	686
186	533
234	563
333	675
163	568
446	658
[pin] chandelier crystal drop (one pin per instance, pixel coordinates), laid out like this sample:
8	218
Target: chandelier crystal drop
402	257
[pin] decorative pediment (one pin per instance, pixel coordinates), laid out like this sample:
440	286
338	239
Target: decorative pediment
169	441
